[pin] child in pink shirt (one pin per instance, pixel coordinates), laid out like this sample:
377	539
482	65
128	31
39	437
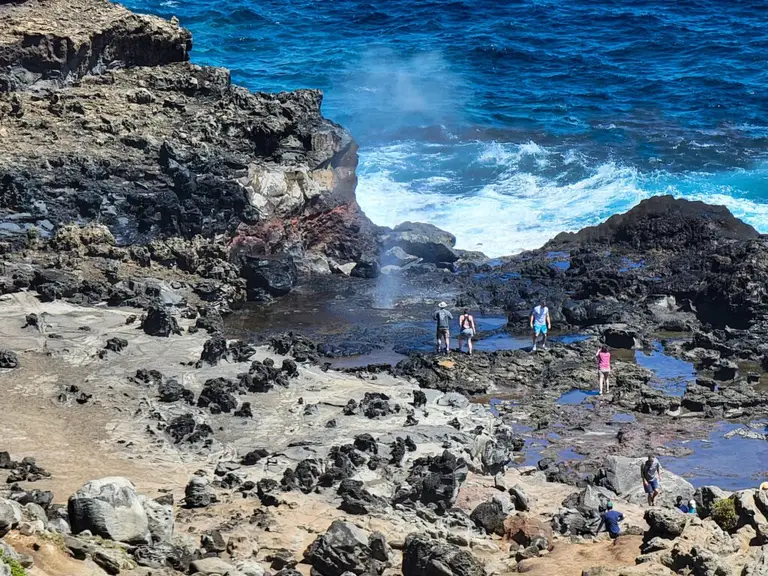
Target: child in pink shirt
603	358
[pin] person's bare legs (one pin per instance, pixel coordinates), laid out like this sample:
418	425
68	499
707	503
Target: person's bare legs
469	344
460	342
600	382
534	337
607	382
447	336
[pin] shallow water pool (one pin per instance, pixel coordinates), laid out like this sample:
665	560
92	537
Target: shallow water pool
730	463
576	396
671	375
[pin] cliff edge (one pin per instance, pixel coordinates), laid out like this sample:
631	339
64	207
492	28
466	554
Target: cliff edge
103	121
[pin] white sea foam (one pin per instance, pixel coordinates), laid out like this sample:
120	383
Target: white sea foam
517	210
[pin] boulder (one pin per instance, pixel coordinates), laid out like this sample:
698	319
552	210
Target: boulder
254	456
666	522
274	276
758	565
159	519
159	556
249	568
188	428
725	370
591	501
620	336
520	498
747	509
110	508
375	405
268	491
160	322
525	529
355	499
211	566
217	396
10	515
8	359
494	457
197	494
622	476
489	516
424	241
116	344
396	256
366	269
343	548
171	391
379	548
761	499
111	561
214	350
366	443
434	480
423	556
570	521
705	498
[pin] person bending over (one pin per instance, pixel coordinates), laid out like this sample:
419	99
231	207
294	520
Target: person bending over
610	519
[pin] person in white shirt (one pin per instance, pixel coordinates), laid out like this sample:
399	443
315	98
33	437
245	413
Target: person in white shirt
540	323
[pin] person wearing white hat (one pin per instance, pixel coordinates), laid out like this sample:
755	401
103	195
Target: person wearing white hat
443	318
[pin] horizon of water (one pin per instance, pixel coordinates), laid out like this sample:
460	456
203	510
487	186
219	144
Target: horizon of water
508	122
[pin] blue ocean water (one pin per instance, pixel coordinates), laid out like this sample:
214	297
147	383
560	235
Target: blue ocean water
508	122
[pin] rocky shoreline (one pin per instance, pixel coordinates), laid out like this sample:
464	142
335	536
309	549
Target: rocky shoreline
183	261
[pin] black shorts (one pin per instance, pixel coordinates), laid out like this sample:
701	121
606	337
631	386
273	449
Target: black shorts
442	332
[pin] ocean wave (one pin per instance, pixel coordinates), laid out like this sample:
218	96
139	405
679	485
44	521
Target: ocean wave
517	211
511	210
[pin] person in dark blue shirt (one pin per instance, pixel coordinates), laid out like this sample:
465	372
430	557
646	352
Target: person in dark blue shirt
681	505
610	519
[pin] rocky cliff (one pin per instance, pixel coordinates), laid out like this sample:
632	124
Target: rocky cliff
103	120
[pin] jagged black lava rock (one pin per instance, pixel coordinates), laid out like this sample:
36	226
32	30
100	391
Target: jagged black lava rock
244	411
184	428
116	344
160	322
148	377
434	480
214	350
172	391
366	443
8	359
254	456
217	395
